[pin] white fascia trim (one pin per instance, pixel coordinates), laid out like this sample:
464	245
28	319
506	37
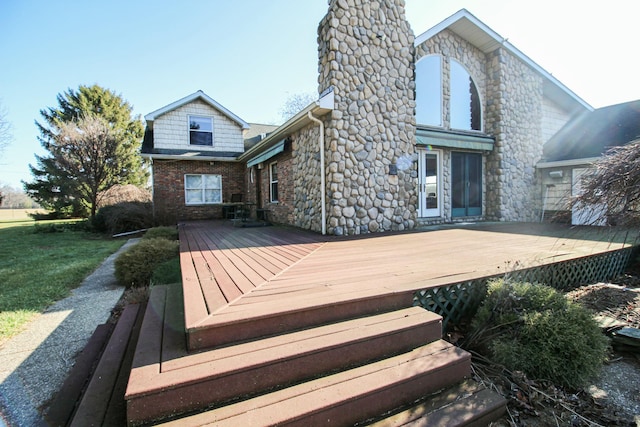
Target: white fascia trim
464	13
187	157
565	163
189	98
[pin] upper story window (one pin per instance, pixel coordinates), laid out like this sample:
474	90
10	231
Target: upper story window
202	189
429	91
463	98
200	130
465	102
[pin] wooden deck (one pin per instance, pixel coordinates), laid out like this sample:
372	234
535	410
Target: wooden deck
274	316
234	274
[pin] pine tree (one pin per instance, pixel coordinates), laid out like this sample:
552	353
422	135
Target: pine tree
93	143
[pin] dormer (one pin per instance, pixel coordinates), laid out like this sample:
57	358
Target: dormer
194	127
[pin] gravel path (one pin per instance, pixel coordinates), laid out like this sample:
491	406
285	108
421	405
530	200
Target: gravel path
35	363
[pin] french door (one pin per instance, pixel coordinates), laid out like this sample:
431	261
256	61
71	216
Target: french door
466	181
430	183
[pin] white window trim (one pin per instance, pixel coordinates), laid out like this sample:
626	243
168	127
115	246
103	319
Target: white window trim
480	100
189	116
271	182
203	199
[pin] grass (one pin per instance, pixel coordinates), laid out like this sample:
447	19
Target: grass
38	269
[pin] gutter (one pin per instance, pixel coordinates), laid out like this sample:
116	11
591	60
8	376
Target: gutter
566	163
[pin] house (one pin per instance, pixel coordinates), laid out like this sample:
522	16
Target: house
193	145
571	152
444	127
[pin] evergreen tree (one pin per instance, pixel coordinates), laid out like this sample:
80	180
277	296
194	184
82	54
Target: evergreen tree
93	143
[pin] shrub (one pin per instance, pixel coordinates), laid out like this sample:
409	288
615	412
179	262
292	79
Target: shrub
123	217
123	193
167	272
61	227
535	329
135	267
165	232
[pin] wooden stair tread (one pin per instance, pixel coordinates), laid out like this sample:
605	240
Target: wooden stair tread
223	328
63	405
219	375
347	396
464	404
103	401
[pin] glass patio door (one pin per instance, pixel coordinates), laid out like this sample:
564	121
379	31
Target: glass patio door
430	190
466	180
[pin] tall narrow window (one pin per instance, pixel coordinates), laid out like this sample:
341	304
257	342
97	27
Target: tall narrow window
465	101
273	181
200	130
429	91
202	189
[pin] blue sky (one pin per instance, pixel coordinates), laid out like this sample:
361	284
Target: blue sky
251	55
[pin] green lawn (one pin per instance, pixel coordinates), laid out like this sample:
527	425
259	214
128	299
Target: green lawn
38	269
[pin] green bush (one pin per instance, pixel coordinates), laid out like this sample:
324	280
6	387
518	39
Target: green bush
167	272
169	233
123	217
134	268
535	329
61	227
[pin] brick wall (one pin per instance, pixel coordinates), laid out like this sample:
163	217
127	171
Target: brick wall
282	211
168	188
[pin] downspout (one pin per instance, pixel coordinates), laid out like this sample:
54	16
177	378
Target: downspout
153	190
323	186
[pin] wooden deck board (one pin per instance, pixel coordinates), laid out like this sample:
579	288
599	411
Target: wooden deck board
308	269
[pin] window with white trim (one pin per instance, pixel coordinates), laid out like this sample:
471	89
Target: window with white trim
200	130
273	181
202	189
465	101
465	109
429	91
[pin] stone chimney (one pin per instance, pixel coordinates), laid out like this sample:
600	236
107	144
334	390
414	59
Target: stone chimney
366	55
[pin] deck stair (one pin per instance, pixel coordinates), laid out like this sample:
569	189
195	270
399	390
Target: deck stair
346	371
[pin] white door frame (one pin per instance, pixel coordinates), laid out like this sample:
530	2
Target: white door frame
426	186
582	214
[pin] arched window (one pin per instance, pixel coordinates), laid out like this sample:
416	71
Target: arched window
429	91
465	102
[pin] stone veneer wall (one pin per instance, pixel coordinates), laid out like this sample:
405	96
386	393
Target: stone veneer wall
366	55
514	118
449	46
512	99
307	212
168	188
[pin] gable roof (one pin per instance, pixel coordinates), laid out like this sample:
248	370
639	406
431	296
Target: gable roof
471	29
592	133
190	98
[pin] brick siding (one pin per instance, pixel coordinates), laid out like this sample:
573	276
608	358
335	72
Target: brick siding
168	188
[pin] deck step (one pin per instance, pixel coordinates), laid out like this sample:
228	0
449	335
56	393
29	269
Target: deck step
102	402
464	404
349	396
61	408
236	323
172	382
